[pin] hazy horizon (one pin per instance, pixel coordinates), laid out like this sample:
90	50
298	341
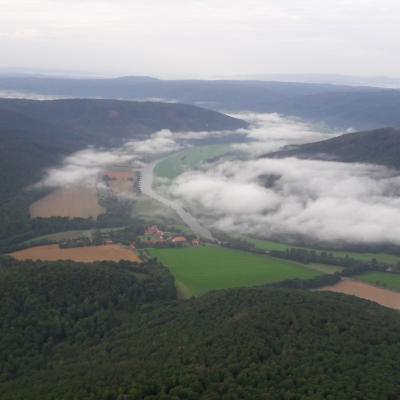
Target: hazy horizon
202	38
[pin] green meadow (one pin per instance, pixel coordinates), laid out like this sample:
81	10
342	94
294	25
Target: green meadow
67	235
380	257
384	279
190	158
198	270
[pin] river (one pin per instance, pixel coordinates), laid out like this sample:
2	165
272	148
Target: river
191	221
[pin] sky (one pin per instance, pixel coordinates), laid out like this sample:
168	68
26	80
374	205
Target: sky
201	38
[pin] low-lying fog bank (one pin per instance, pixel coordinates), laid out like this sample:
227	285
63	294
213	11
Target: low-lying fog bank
320	200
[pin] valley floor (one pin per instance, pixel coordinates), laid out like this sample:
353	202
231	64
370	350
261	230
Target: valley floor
198	270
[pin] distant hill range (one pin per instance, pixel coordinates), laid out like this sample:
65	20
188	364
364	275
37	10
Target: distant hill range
96	119
380	146
337	106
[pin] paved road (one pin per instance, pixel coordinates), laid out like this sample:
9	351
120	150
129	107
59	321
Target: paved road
190	220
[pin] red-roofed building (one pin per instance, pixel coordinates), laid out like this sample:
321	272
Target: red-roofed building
155	232
179	240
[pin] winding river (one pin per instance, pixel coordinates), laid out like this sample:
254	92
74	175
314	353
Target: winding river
147	189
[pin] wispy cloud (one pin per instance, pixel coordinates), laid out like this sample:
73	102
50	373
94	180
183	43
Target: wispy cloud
84	166
271	132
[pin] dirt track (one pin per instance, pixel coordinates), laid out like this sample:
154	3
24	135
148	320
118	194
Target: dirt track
381	296
111	252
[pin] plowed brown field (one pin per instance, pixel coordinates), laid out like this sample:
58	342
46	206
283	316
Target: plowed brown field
381	296
68	202
110	252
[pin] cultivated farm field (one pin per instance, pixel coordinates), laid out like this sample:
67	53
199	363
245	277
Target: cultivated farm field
69	235
384	279
110	252
367	257
198	270
325	269
387	298
73	202
178	163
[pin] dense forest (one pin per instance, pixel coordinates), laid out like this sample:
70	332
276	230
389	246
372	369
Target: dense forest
381	146
115	331
47	306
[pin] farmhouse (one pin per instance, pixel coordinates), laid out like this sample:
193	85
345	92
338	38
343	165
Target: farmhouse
155	232
179	240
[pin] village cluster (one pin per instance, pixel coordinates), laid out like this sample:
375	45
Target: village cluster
155	237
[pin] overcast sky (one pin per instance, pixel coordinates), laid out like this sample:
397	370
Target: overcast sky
202	38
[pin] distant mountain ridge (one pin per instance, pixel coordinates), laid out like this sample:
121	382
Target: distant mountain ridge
380	146
337	106
117	119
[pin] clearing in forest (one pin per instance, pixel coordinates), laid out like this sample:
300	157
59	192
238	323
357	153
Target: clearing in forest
73	202
201	269
109	252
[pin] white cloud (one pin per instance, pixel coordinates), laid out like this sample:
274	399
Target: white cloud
85	165
81	167
160	142
271	132
326	201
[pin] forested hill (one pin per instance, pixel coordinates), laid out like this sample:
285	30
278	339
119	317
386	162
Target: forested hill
100	121
35	135
43	130
381	146
335	105
71	331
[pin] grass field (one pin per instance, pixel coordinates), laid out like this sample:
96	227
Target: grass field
198	270
67	235
325	269
381	257
384	279
173	166
153	211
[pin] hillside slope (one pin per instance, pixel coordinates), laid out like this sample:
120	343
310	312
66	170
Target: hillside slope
35	135
107	120
381	146
335	105
44	131
235	344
